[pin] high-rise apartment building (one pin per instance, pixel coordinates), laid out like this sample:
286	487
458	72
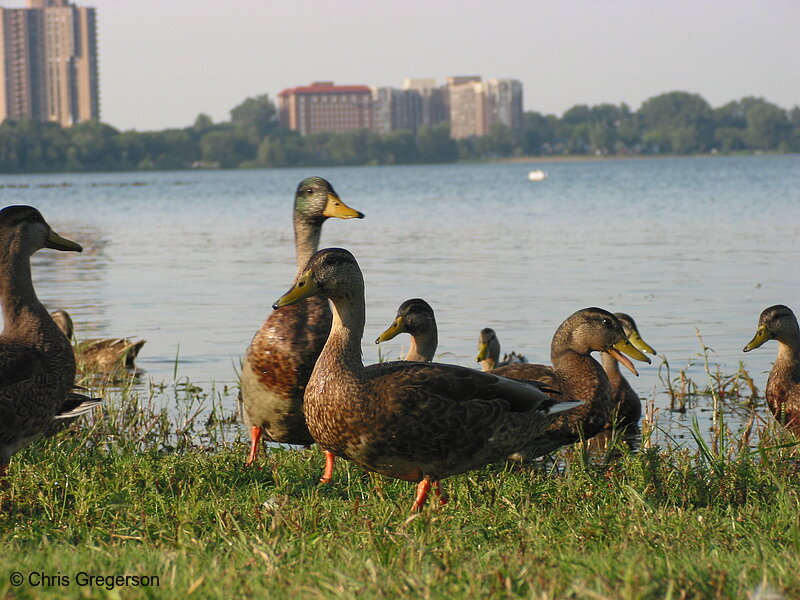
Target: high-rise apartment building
396	109
504	103
48	63
323	106
476	105
433	107
467	100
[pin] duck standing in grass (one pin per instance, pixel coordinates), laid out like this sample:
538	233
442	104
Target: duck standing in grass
626	404
37	367
783	384
415	317
489	352
107	354
576	376
413	421
282	354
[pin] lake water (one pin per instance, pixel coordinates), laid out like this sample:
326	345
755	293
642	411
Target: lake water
192	261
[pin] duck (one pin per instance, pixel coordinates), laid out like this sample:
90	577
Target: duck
414	421
489	352
415	317
93	355
37	366
282	353
779	323
626	404
576	376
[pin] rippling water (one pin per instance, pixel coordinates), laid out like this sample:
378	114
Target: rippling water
192	261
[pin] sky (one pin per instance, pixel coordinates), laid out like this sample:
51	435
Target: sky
163	62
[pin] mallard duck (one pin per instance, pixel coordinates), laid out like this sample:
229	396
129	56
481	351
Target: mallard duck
413	421
92	355
576	376
416	318
37	367
280	357
783	385
489	352
625	402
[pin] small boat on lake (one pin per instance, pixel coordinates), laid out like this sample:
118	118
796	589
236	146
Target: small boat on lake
537	175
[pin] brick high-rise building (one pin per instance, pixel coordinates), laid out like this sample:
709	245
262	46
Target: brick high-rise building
48	63
323	106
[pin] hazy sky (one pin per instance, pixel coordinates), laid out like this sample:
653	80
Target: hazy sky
162	62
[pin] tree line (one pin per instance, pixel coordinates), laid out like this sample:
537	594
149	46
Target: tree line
671	123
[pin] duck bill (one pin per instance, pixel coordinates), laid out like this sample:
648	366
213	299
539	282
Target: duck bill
483	352
304	288
56	242
623	347
336	208
394	330
639	343
762	335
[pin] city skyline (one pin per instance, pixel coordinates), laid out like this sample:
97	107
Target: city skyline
162	64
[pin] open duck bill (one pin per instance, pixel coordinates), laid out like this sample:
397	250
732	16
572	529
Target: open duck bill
304	288
623	347
395	329
636	339
56	242
762	336
336	208
483	352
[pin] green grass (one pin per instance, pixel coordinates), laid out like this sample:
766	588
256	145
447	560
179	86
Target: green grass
145	491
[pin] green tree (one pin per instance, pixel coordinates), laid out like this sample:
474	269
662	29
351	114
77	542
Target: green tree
434	144
255	117
538	132
93	147
284	149
399	147
677	122
227	148
768	126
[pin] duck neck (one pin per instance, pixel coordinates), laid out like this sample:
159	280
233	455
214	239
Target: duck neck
306	240
788	354
423	347
611	368
22	311
343	349
589	383
492	358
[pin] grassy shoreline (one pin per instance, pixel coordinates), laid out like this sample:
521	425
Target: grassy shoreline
149	491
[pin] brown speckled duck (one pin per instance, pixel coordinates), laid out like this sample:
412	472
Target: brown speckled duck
783	384
413	421
577	376
99	355
489	352
282	353
37	367
626	404
415	317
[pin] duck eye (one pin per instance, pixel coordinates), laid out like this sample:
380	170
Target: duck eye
309	191
607	322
